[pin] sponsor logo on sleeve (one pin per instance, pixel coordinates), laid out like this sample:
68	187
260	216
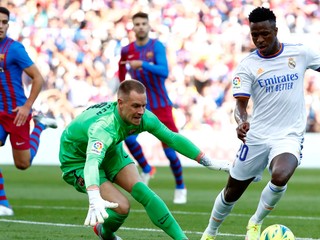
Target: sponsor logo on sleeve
97	147
236	82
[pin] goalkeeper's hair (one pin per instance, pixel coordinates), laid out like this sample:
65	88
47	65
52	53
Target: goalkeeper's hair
131	85
261	14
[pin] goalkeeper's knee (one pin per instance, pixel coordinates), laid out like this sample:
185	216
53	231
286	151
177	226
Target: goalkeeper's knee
124	206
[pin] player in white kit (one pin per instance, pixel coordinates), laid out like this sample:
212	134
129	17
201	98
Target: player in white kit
273	77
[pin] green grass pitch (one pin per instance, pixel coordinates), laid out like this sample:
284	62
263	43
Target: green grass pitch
46	208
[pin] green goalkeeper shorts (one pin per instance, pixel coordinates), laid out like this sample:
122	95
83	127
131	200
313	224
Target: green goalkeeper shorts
114	161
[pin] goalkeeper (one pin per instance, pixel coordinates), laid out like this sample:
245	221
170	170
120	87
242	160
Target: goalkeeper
93	159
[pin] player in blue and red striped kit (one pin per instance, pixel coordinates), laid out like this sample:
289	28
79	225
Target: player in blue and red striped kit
15	107
145	60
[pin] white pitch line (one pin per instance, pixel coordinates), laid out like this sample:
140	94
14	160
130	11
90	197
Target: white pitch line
122	228
174	212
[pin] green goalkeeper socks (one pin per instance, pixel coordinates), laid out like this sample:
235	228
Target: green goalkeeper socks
112	224
157	211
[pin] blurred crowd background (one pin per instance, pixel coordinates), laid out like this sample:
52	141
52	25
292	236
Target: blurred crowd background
76	44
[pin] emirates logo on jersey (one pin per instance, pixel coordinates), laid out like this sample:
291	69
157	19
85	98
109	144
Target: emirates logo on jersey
291	63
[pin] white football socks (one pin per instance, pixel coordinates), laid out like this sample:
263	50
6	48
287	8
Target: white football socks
270	195
221	209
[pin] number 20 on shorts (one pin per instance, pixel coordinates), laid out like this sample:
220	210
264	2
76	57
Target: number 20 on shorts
242	152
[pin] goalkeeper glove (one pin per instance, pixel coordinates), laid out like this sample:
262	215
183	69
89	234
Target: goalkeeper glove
97	208
220	165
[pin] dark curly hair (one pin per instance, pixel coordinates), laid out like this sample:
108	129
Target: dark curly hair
261	14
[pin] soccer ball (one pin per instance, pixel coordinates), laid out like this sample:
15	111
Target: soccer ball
277	232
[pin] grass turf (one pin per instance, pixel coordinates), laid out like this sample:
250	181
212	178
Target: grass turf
48	208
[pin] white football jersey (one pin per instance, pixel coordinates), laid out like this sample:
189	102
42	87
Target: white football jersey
275	84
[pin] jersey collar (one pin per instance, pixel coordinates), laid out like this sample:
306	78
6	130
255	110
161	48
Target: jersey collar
129	128
273	55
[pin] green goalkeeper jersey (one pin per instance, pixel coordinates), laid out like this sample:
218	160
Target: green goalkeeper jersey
99	129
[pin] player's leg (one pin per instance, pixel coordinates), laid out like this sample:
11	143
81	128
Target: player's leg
5	208
20	142
282	168
166	117
158	212
285	156
136	151
245	169
108	192
24	145
224	204
117	216
180	195
40	123
121	169
75	177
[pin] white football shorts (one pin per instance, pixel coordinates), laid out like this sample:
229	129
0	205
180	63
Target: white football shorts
251	160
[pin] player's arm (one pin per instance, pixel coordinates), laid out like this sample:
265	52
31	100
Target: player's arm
178	142
182	144
37	82
96	151
160	67
99	141
242	87
241	117
23	60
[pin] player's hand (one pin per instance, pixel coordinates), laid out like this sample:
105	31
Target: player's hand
220	165
242	130
134	64
97	208
22	114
